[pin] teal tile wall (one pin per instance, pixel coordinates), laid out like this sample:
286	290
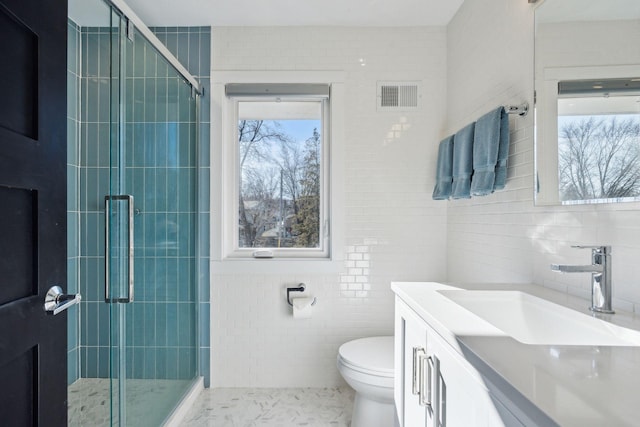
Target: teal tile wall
192	46
73	213
162	168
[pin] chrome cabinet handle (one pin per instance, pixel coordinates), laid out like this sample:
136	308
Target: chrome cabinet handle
418	354
425	395
56	302
429	385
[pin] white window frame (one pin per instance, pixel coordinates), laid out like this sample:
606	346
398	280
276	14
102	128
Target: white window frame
225	178
235	250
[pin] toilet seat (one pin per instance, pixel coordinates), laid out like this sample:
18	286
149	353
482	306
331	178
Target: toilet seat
369	356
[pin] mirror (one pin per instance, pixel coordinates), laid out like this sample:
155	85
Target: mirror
587	113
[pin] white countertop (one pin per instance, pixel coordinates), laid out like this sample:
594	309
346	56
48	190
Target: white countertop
551	384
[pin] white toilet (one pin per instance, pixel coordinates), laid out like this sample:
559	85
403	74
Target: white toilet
366	364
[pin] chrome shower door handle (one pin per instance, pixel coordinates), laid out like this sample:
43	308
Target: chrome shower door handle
128	248
55	302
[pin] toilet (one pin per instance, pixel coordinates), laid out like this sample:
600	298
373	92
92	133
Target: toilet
366	364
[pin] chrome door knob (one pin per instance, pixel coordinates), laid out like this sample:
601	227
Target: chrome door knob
56	302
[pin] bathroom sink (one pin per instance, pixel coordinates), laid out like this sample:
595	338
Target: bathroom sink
533	320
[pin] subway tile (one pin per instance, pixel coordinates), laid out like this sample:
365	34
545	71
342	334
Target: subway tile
149	363
103	362
161	144
72	366
92	324
173	175
186	144
172	43
72	48
72	328
172	363
150	192
173	152
149	322
72	141
72	94
129	356
182	52
138	359
139	100
149	144
164	69
204	322
160	286
203	280
193	63
186	324
139	56
73	176
205	54
204	154
104	323
173	331
161	362
138	313
139	248
203	232
186	363
73	276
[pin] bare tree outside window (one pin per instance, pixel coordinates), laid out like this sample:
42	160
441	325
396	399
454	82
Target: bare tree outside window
599	157
279	198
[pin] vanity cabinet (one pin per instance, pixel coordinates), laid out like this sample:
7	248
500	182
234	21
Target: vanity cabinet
434	385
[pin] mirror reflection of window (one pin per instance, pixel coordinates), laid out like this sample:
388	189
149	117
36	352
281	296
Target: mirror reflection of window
576	43
599	140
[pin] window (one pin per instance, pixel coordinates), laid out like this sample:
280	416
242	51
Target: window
599	140
280	149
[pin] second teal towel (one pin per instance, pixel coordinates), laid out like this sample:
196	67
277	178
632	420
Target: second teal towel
490	152
462	162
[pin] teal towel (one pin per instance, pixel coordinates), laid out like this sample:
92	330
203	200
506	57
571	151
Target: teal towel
444	176
488	139
462	162
503	152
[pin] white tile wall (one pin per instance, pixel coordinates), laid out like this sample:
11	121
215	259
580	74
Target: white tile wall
394	231
503	237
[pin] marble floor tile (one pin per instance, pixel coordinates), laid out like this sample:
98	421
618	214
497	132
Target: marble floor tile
148	402
289	407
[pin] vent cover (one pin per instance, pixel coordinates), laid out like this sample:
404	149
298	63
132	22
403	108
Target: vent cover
398	96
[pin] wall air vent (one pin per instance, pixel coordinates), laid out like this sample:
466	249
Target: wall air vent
398	96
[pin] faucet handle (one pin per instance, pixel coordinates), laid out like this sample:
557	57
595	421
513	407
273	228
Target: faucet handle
603	249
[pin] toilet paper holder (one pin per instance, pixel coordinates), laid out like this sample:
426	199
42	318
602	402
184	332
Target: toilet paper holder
301	287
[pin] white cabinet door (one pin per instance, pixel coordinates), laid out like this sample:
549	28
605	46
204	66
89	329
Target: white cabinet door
463	401
464	398
412	339
458	395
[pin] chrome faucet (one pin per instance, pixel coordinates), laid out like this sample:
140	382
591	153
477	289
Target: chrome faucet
600	270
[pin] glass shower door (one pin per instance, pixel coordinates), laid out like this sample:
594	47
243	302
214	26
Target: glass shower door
151	233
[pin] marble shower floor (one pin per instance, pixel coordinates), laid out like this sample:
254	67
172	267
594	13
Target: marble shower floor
149	401
281	407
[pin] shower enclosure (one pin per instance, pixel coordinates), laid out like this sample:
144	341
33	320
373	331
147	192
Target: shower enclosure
132	219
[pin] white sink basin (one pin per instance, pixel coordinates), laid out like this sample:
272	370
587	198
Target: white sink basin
533	320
